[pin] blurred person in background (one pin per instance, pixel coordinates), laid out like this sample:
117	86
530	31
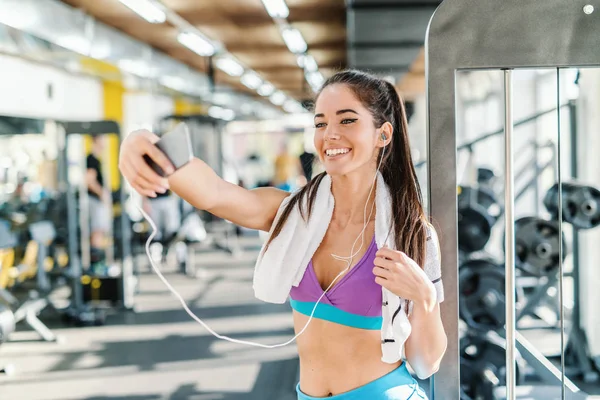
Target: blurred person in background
286	169
99	195
306	161
48	175
256	172
165	212
19	197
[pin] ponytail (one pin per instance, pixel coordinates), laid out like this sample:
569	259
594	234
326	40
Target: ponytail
398	171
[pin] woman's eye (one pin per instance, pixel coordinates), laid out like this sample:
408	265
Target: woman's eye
348	121
320	125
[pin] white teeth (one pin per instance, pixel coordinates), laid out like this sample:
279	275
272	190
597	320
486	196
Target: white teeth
335	152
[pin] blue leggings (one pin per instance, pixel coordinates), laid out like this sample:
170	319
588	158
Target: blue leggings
396	385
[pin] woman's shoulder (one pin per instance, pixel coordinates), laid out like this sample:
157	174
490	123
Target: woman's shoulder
430	230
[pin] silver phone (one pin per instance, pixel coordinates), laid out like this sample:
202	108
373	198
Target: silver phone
176	145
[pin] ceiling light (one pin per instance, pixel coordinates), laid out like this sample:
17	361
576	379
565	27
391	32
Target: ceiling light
221	99
301	59
294	40
292	106
173	82
277	98
310	64
229	66
251	80
266	89
77	44
147	10
315	80
196	43
276	8
100	50
215	111
227	115
221	113
136	67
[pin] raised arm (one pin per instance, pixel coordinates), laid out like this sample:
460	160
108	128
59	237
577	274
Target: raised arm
198	184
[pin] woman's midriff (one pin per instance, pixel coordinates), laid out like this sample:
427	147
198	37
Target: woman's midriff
335	358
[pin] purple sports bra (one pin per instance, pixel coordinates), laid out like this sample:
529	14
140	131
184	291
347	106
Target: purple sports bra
354	300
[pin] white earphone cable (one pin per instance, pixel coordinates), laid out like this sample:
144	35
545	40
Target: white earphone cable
353	254
197	319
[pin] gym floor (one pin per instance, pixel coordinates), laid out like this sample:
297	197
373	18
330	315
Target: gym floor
159	352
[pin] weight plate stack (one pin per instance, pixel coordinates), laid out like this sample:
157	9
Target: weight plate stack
481	295
580	204
478	211
483	366
537	246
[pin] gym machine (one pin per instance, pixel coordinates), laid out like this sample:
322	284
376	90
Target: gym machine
33	266
7	317
28	276
116	284
27	236
486	35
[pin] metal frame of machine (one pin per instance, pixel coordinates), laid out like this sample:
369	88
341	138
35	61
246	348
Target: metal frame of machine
77	307
487	34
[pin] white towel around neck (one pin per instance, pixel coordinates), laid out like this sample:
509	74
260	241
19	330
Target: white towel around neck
283	264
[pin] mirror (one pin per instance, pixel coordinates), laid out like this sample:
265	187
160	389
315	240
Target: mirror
556	197
543	317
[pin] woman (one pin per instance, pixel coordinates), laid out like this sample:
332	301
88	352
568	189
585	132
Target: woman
360	128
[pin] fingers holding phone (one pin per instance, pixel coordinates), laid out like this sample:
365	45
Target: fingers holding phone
136	170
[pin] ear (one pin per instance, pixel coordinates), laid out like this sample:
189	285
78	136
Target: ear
386	130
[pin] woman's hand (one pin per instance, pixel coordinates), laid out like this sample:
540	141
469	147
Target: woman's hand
135	169
402	276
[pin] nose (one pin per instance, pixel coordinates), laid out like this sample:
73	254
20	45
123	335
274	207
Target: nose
331	133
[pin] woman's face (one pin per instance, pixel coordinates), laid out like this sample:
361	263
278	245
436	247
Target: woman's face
345	136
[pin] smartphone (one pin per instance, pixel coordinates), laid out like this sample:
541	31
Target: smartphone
176	145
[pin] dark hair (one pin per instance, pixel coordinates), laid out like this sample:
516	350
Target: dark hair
409	221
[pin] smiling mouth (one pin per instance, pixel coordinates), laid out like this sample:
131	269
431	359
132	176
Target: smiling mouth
336	153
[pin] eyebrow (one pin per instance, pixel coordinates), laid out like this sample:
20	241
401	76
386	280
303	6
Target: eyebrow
339	112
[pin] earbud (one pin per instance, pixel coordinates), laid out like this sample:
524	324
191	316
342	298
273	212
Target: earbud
383	137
